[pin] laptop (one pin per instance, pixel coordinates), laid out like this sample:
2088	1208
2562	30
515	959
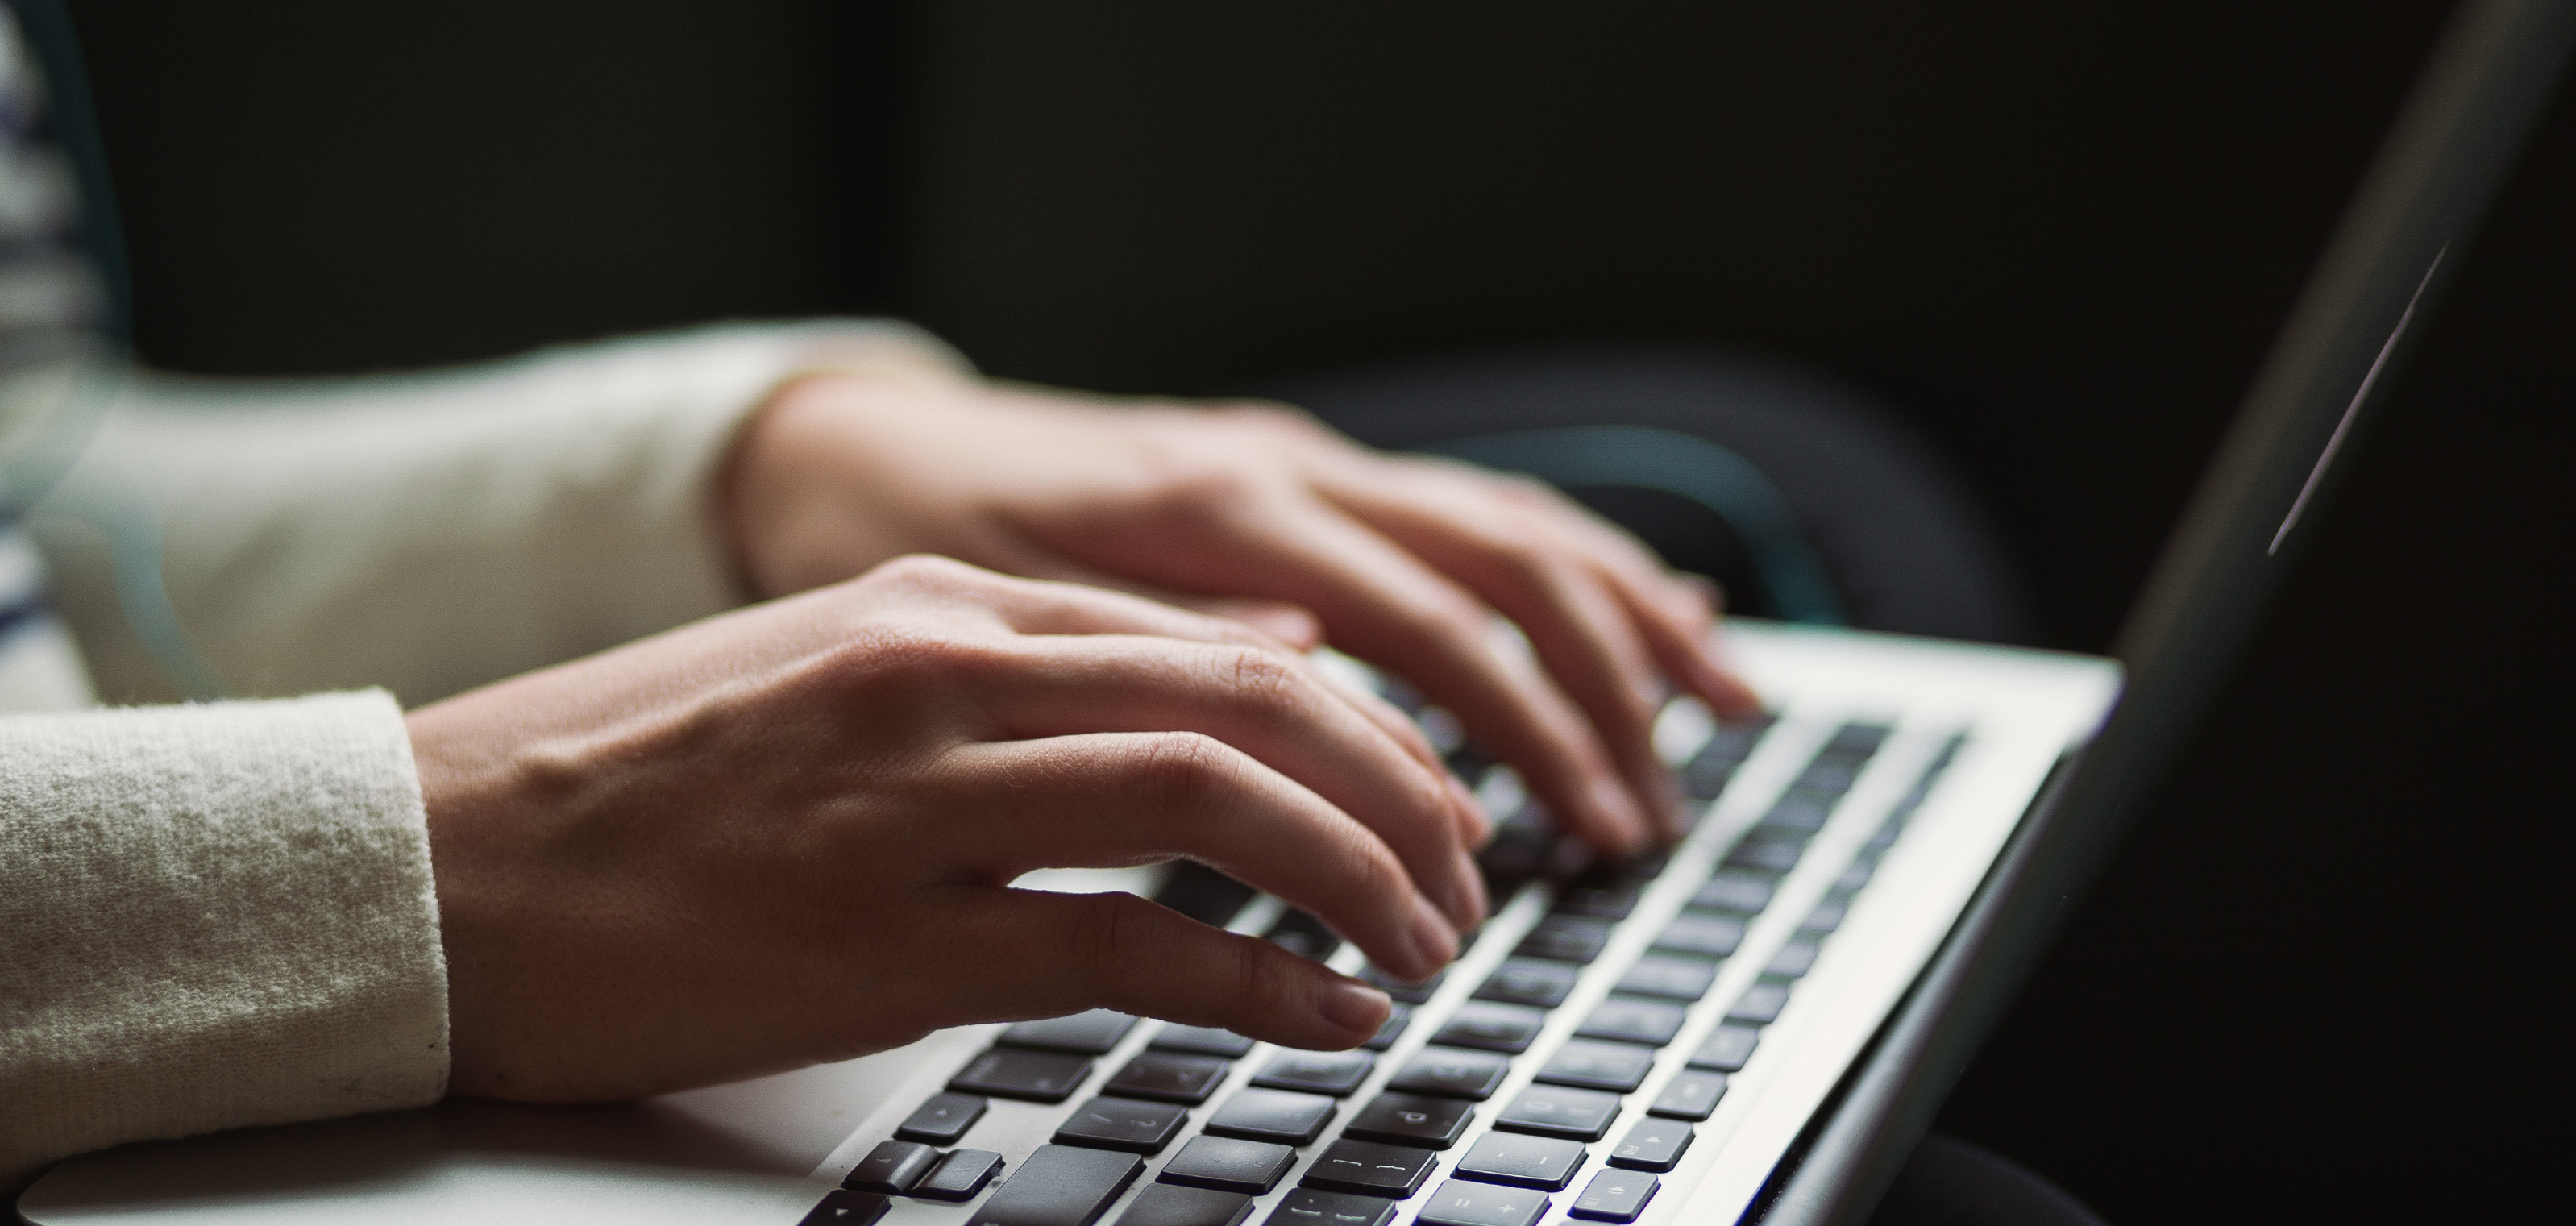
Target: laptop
1754	1027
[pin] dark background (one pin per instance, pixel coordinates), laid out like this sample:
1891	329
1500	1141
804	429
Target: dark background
2056	238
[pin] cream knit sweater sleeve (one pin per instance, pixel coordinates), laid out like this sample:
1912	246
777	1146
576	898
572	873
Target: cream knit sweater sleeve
221	914
211	916
431	532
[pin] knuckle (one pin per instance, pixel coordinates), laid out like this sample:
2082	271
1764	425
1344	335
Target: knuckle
1105	934
1261	979
924	571
1179	775
1258	678
906	660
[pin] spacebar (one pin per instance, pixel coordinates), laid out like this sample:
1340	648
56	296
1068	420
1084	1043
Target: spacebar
1060	1186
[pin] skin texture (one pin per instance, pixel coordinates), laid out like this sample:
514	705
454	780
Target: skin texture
785	835
1258	511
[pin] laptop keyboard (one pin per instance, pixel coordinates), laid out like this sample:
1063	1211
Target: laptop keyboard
1475	1105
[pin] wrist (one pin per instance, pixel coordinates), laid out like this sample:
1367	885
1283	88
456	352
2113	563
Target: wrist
795	492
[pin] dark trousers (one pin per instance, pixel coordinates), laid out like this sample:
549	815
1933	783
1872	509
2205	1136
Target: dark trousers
1897	538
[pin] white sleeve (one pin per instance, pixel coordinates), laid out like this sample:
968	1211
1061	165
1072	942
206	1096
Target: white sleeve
430	532
211	916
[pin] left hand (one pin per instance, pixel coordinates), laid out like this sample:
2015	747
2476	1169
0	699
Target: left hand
1263	514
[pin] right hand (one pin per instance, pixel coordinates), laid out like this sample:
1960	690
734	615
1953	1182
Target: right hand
787	835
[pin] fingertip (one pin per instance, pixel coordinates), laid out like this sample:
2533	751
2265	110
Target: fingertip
1434	938
1354	1008
1474	827
1621	824
1477	904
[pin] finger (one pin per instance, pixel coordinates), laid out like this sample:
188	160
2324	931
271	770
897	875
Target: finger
1105	800
1382	603
1054	954
1290	624
1273	707
1044	607
1677	612
1584	633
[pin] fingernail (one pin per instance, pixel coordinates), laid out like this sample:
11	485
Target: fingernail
1628	827
1434	939
1354	1006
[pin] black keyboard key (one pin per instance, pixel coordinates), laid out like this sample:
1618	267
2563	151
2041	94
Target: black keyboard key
1705	777
1670	978
1726	1048
1371	1169
1451	1074
1039	1076
960	1175
1828	777
1794	959
1857	740
1616	1067
1398	1016
1517	852
1800	812
1122	1123
1302	934
1614	1196
1691	1095
1855	877
842	1207
1734	892
1201	1040
1092	1033
1652	1145
1612	901
1169	1077
1528	981
1651	1022
1566	938
1560	1111
1461	1202
1492	1027
1708	936
1827	916
1317	1072
1272	1115
1761	855
1165	1204
1309	1207
1412	1119
1229	1164
943	1119
1760	1005
1060	1186
893	1166
1406	993
1203	894
1521	1162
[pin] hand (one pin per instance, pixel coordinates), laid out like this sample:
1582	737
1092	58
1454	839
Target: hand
786	835
1260	513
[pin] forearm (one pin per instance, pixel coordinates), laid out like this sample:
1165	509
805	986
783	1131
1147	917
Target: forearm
431	532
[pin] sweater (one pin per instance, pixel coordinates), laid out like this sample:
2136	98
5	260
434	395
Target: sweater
221	913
